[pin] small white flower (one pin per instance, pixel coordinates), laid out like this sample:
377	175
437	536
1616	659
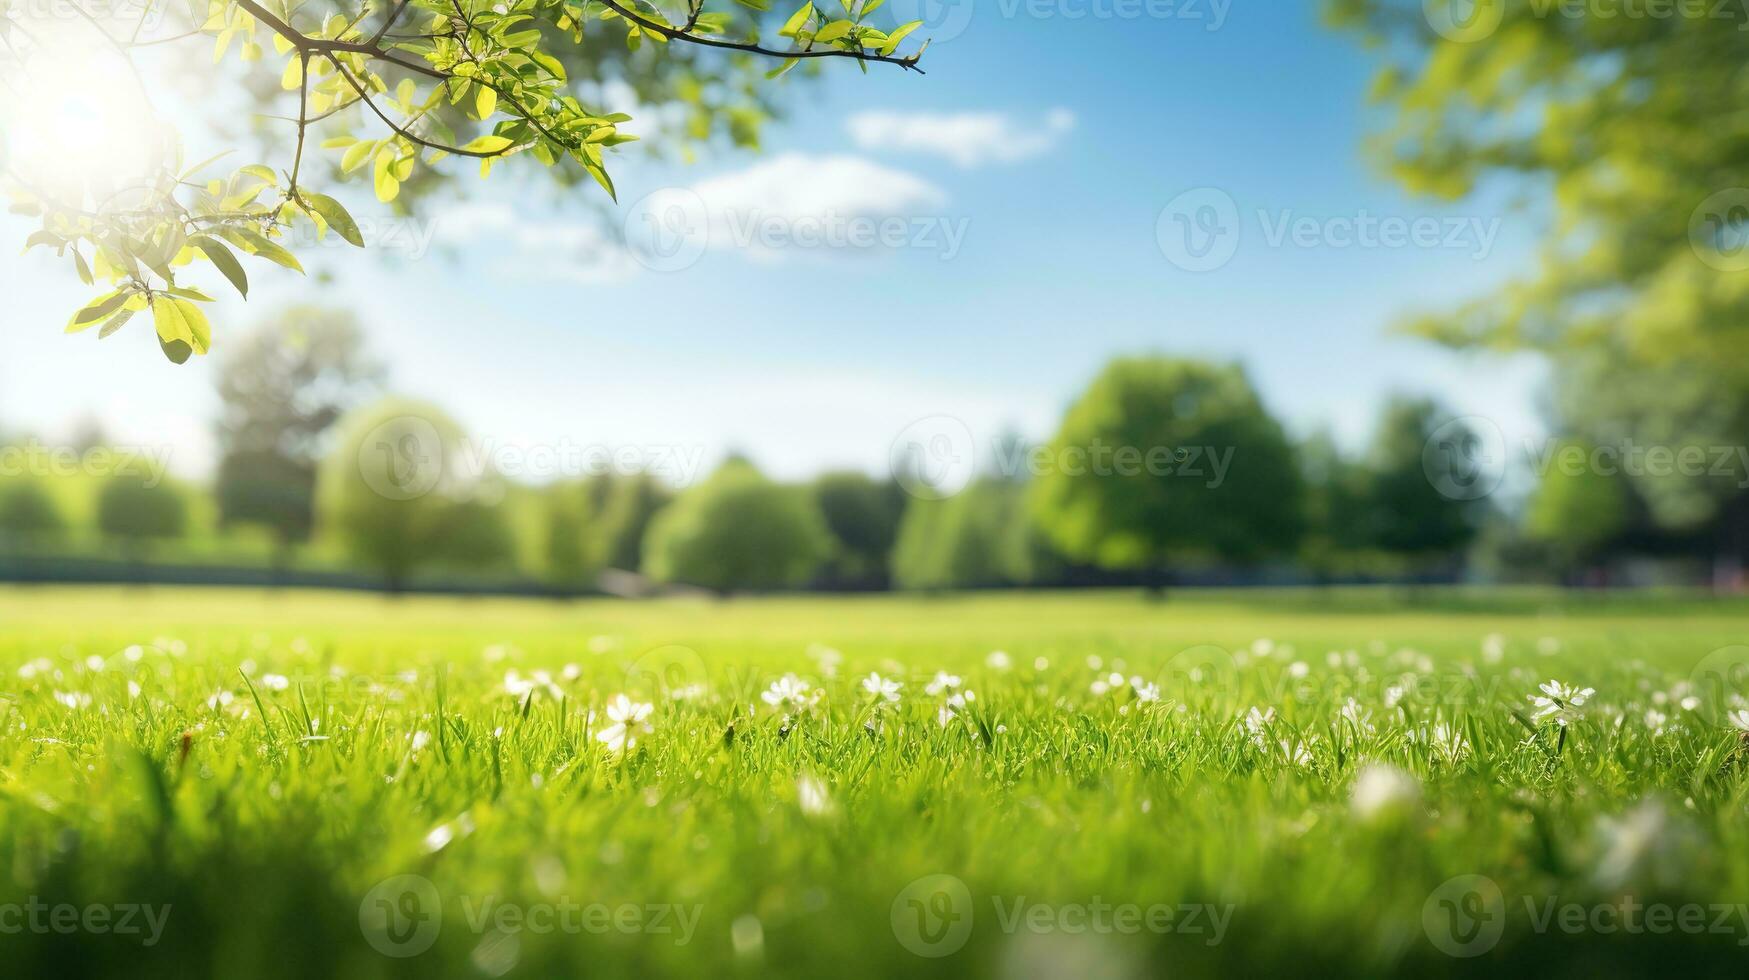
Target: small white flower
943	681
1739	720
1655	720
1296	753
275	682
1446	741
1358	716
74	700
1558	701
953	707
998	660
1257	723
788	692
1382	790
883	691
1145	692
629	721
420	740
813	797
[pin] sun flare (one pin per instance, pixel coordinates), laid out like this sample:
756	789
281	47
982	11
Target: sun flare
78	122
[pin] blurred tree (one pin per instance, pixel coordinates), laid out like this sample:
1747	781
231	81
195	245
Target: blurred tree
1577	509
620	509
568	563
401	492
28	514
138	512
1406	514
1167	461
1688	413
981	537
281	389
1633	124
863	515
737	530
1336	540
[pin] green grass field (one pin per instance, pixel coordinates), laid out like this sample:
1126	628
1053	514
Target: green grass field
433	787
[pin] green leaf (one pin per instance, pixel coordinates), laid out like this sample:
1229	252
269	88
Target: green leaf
356	154
115	323
486	102
833	31
898	35
179	320
176	350
336	216
98	309
800	17
263	173
221	256
257	244
489	144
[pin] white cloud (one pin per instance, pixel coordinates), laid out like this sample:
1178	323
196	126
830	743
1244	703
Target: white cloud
786	206
968	139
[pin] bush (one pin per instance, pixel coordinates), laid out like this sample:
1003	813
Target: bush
400	493
737	530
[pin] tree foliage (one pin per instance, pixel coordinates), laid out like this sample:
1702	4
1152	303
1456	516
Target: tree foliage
281	391
981	537
400	493
737	530
381	88
1180	507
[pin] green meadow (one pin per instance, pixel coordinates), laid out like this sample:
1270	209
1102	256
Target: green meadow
231	783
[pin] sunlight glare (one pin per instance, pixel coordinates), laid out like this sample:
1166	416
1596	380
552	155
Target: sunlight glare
79	124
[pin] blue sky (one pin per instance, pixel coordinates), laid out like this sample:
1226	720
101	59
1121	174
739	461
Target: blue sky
1027	174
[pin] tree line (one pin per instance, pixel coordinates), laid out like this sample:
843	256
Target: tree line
1163	470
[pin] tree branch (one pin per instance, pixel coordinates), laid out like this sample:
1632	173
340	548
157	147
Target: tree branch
676	34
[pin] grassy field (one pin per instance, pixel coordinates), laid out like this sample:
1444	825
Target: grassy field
241	784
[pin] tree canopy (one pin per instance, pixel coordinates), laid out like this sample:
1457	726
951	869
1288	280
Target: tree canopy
391	89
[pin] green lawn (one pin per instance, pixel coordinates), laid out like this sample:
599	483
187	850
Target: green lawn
161	816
